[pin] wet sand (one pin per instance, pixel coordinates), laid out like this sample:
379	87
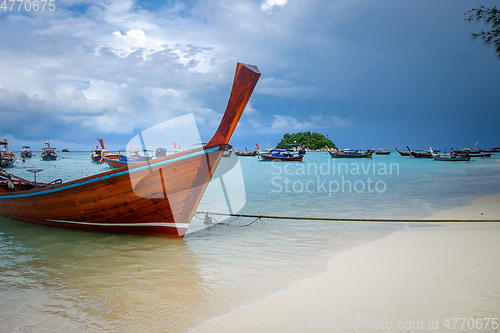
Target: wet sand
421	279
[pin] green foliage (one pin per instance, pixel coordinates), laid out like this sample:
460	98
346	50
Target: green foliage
489	16
307	139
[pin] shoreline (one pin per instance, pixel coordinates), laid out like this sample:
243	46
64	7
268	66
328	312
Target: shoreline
424	275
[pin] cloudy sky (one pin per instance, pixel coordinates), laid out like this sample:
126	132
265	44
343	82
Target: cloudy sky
367	73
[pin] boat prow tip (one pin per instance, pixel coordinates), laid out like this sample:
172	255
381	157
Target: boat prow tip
253	68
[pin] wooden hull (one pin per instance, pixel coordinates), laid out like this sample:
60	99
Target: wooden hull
440	158
7	164
245	153
341	155
95	157
403	153
108	202
421	155
115	163
269	157
156	198
383	152
26	155
479	155
48	157
7	159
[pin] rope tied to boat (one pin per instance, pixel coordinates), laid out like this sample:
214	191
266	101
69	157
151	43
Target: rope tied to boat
260	217
209	219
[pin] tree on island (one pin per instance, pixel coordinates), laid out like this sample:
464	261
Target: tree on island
307	139
489	16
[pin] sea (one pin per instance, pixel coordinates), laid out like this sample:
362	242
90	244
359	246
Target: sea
54	280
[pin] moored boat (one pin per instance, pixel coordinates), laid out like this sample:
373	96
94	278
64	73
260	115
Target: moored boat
65	150
247	153
26	152
382	152
277	154
128	158
448	155
7	158
48	153
156	197
403	153
479	155
96	154
351	153
419	153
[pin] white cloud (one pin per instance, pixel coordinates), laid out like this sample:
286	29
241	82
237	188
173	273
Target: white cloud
269	4
132	40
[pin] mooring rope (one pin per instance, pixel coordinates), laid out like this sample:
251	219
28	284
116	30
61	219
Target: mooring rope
260	217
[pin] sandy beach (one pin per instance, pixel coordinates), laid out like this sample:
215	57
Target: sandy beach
426	278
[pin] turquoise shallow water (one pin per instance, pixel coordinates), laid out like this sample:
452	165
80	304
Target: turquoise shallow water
57	280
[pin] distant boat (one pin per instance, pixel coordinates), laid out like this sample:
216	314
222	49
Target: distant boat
350	153
161	201
65	150
96	154
449	155
283	155
7	158
48	153
419	153
471	152
403	153
26	152
480	155
247	153
129	158
382	152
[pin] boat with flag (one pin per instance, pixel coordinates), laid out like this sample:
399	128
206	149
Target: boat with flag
157	197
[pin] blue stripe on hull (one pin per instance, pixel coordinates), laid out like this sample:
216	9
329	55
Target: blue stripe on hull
110	176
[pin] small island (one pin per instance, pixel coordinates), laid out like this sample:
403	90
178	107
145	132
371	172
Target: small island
307	140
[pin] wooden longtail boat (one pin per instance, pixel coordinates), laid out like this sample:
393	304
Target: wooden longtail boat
96	155
7	158
350	153
162	200
26	153
282	155
480	155
246	152
449	155
419	153
48	153
130	158
382	152
403	153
